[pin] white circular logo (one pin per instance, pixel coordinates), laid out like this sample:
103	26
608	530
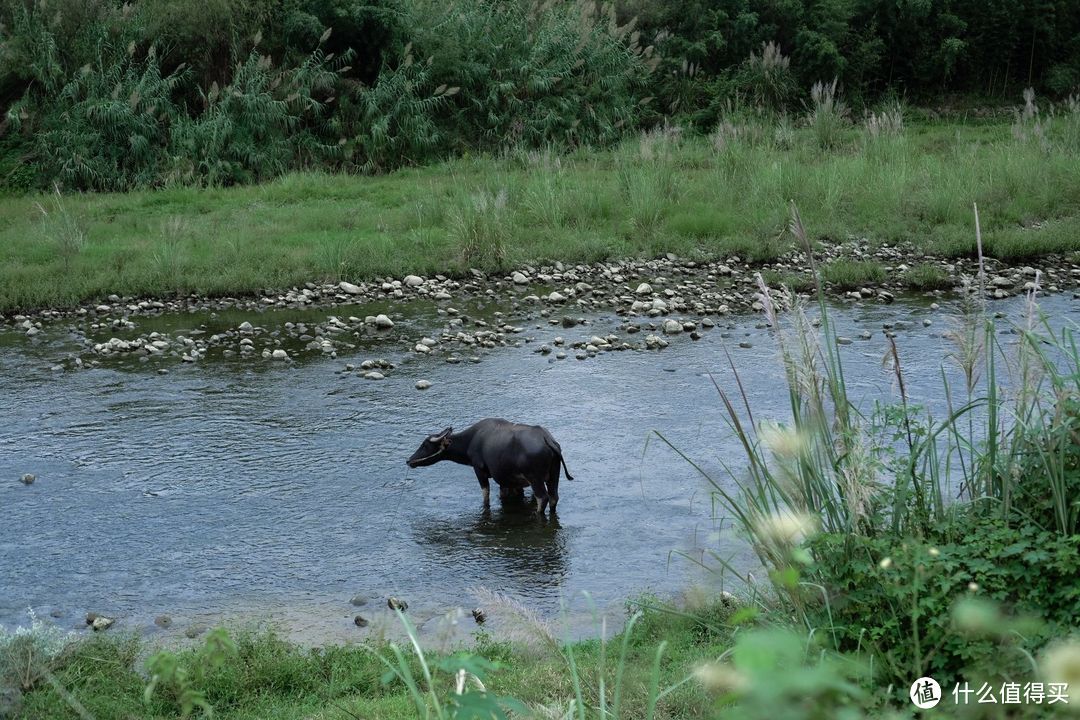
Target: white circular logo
925	693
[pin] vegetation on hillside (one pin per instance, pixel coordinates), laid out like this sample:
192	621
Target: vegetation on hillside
104	95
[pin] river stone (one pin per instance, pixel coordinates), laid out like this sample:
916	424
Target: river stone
245	326
373	375
349	288
28	479
644	289
520	278
101	623
397	604
413	280
672	327
423	384
163	621
556	296
560	355
843	340
195	631
279	354
360	622
32	331
746	344
383	321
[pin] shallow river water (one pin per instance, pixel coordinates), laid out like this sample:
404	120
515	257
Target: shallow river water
249	488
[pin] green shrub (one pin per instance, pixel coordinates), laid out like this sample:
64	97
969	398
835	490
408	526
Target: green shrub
852	274
928	276
531	73
896	597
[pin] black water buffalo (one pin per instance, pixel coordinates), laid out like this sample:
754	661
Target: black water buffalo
515	456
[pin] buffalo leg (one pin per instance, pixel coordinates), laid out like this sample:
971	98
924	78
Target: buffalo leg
553	485
540	495
485	485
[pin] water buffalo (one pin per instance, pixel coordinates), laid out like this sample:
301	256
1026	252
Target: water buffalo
515	456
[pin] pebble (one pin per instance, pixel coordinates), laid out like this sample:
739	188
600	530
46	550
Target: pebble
28	479
413	280
195	631
423	384
672	327
373	375
360	622
349	288
479	616
397	604
280	354
101	622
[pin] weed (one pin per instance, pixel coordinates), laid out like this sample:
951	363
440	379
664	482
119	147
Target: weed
65	231
481	227
828	115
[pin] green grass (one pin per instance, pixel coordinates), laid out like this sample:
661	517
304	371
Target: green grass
852	274
664	194
928	276
269	677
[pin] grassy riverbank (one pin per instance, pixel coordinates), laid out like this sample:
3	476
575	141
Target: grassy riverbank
710	196
255	676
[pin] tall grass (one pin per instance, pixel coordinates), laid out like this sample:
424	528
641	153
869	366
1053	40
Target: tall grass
480	224
828	115
62	229
1007	447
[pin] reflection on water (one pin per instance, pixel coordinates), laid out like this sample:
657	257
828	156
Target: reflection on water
242	484
526	555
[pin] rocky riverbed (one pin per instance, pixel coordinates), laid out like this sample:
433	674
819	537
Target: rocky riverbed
545	307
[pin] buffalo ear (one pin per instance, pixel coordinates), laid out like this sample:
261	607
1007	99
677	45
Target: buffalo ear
441	436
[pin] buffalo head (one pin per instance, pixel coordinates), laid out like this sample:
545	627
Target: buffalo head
431	450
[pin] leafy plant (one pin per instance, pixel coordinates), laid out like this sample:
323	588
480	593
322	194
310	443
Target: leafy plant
184	681
451	688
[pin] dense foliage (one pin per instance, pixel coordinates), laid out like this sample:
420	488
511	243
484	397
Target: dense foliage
919	49
106	96
99	94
